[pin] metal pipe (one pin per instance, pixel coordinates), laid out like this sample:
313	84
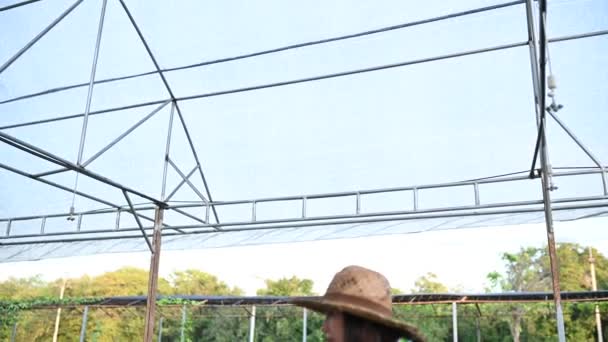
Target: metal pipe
8	228
42	224
313	224
533	45
59	186
304	323
352	72
167	149
160	330
74	116
38	37
118	219
14	332
83	327
85	120
38	152
578	36
198	162
181	174
304	207
253	211
143	40
252	325
358	204
284	48
454	322
183	325
153	276
51	172
182	182
476	190
598	318
19	4
114	79
419	214
583	147
141	227
124	134
546	176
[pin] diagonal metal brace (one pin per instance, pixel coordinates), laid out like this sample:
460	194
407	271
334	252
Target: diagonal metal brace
141	227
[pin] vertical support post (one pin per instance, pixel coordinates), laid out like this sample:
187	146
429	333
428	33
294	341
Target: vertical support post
476	189
83	328
207	211
252	325
153	276
304	207
14	332
304	324
598	317
538	82
58	316
358	199
160	330
478	329
415	194
8	227
42	225
455	321
253	211
117	220
183	326
546	175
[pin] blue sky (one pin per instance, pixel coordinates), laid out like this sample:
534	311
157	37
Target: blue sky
451	120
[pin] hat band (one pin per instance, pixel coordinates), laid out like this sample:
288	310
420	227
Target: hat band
359	301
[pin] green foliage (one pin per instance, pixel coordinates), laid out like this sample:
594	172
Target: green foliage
525	270
293	286
195	282
428	283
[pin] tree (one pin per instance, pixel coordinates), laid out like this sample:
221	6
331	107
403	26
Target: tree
195	282
428	283
529	270
285	323
287	287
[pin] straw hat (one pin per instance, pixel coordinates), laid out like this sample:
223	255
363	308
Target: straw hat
363	293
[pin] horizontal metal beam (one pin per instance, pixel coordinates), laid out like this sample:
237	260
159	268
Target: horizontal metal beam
338	219
354	72
279	49
487	180
195	229
64	188
74	116
38	152
16	5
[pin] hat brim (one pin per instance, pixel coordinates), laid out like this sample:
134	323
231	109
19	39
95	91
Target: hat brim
325	305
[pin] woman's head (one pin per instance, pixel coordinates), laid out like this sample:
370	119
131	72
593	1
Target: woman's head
358	303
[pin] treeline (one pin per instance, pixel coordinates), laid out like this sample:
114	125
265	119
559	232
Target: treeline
527	270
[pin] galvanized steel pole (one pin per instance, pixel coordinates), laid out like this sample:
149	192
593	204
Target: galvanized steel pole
455	321
252	325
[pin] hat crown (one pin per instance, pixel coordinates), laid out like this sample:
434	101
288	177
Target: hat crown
364	285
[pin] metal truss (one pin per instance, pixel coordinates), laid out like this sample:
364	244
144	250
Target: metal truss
357	215
209	223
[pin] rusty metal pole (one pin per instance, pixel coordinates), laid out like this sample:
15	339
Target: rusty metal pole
153	276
